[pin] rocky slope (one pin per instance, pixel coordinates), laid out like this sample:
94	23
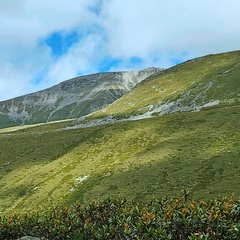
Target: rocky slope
70	99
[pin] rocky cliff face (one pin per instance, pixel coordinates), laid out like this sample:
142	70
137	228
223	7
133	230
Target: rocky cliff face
70	99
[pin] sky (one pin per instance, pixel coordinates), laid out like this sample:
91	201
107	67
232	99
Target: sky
43	43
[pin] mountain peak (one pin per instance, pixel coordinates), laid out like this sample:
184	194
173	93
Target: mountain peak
70	99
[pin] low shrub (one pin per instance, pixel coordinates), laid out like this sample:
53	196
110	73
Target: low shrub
117	218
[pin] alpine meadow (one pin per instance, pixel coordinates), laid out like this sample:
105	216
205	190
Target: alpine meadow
140	135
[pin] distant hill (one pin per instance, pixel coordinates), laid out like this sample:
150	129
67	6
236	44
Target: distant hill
70	99
178	128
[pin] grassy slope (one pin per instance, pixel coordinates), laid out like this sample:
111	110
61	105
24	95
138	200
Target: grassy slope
215	75
138	159
44	165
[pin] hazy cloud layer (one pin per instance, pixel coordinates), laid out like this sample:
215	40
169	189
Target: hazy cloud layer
106	35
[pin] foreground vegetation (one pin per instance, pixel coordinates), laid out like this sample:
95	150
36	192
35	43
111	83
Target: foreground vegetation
117	218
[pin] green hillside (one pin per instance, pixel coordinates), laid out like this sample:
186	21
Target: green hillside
193	85
194	143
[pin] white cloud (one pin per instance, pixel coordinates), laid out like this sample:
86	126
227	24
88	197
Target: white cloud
11	7
197	27
160	32
82	58
23	24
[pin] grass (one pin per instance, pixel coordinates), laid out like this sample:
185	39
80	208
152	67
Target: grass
138	159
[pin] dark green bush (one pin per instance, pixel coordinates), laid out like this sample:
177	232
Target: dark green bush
117	218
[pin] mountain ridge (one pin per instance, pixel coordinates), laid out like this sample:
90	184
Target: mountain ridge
72	98
190	86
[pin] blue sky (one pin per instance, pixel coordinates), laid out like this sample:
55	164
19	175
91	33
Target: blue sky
60	42
46	42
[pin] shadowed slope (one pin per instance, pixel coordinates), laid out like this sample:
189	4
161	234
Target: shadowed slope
137	159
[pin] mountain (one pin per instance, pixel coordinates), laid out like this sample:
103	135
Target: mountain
204	82
70	99
178	128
